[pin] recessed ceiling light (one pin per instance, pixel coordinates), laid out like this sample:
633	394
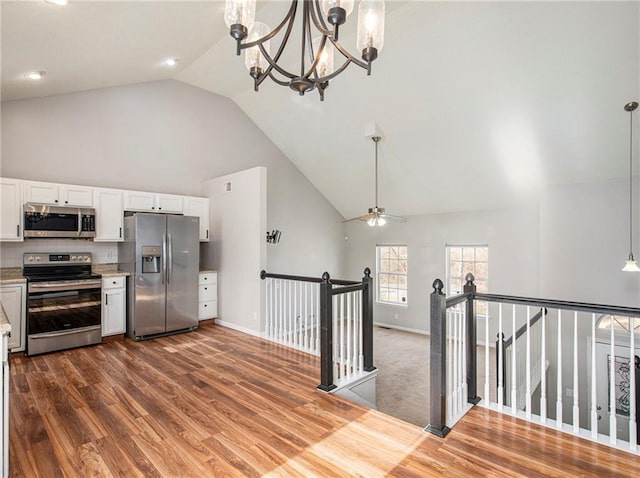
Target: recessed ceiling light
62	3
171	62
35	75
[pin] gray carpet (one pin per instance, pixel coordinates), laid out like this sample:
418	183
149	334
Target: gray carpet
402	385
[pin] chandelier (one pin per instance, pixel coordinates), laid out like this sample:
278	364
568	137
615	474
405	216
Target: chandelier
316	64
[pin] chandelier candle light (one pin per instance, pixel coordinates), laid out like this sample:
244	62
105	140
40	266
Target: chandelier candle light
317	51
631	265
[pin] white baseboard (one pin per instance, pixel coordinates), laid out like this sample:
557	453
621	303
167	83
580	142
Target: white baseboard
404	329
239	328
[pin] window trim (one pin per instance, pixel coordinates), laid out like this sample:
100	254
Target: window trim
404	305
448	269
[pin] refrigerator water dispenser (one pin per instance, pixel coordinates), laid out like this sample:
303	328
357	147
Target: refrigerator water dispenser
151	259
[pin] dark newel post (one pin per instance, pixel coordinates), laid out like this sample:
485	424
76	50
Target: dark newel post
438	362
326	335
472	369
367	320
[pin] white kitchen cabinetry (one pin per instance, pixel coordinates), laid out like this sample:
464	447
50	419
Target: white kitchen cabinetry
113	305
194	206
152	202
14	301
109	215
58	194
10	210
208	296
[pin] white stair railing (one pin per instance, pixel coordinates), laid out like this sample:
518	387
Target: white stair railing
582	358
331	318
292	313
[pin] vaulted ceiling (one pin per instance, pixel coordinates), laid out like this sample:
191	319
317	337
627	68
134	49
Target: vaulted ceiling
480	104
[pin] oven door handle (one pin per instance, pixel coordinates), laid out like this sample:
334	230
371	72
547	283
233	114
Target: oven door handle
53	287
66	332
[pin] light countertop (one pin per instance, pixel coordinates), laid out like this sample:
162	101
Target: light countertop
5	326
208	271
11	275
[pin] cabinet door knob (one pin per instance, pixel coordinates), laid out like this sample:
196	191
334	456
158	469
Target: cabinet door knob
206	288
205	305
55	200
66	202
114	282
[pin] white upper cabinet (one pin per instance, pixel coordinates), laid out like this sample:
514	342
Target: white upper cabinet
169	203
139	201
194	206
152	202
58	194
109	215
10	210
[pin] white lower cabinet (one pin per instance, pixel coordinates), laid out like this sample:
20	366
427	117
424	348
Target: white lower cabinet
114	310
208	296
14	301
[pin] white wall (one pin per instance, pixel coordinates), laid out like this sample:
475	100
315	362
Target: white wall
238	247
569	246
512	235
312	239
165	136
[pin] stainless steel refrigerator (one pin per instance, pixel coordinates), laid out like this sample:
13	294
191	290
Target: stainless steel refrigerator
161	252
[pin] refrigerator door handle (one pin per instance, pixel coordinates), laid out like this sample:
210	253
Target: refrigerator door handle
170	248
164	257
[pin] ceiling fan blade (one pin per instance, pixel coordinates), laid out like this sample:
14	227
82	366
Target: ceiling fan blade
394	218
366	217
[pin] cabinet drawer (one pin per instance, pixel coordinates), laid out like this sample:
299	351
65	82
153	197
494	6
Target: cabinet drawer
208	309
208	278
208	292
113	282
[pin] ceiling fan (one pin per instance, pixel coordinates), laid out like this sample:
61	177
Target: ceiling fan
376	215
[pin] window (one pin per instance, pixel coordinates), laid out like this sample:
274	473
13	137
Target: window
392	274
464	259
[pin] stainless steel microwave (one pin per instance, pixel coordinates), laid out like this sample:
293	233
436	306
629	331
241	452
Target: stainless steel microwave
59	222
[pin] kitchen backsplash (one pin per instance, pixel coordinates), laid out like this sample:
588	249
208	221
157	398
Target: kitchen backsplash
11	252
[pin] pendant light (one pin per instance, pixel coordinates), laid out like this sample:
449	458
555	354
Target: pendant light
631	265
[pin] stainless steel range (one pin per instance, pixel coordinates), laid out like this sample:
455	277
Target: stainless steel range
63	302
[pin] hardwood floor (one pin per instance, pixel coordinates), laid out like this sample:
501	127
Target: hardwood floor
216	403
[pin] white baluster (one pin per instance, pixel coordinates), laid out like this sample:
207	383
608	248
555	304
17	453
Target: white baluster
463	362
462	375
450	359
305	311
594	398
613	425
543	368
528	364
500	360
455	362
632	386
360	337
486	351
559	377
336	334
514	393
576	403
349	322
